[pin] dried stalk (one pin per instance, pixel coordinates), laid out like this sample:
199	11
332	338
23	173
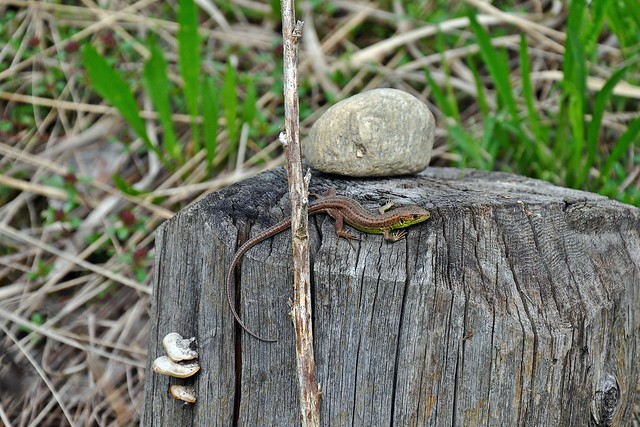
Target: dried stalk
309	393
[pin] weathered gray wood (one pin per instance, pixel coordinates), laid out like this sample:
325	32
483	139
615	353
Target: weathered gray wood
517	303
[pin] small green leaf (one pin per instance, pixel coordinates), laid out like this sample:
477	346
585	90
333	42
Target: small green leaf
469	147
632	8
631	135
449	91
210	111
527	89
37	319
574	63
141	274
576	120
574	88
490	142
482	97
593	129
592	29
441	100
230	106
122	185
249	106
275	9
189	59
498	67
122	233
156	81
112	87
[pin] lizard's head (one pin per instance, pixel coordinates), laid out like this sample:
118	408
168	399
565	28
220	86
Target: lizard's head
410	215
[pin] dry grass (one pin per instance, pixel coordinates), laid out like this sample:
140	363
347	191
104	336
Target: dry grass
74	303
75	285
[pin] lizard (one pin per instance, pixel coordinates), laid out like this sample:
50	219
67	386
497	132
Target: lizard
343	210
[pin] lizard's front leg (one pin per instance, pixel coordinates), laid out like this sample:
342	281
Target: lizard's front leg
393	236
339	218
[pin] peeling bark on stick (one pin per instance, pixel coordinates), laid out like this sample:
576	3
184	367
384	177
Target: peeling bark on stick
309	394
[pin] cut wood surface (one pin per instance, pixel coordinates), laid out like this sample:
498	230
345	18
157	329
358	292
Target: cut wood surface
517	303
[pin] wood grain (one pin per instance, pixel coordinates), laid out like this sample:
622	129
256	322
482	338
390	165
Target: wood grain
517	303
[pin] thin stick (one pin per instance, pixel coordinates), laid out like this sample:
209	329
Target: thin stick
309	392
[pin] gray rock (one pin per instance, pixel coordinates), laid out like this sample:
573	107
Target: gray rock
381	132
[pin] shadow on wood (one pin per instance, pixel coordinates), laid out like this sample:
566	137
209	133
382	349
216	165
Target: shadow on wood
517	303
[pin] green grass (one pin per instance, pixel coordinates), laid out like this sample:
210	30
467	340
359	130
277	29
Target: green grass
568	144
113	88
201	97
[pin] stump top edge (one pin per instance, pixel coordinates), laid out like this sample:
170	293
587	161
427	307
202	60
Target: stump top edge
434	188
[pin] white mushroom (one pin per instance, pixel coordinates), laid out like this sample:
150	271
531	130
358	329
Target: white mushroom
166	366
179	349
185	393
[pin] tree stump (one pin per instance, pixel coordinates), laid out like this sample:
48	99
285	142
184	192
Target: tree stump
517	303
